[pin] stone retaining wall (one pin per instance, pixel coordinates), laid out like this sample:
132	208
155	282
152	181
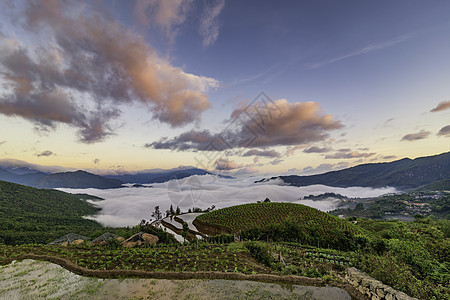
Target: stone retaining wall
374	289
69	265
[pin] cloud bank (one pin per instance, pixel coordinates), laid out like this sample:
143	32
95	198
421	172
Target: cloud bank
83	66
127	206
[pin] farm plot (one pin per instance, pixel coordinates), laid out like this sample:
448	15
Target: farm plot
163	258
261	215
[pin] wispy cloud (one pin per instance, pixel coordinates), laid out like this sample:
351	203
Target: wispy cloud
366	50
323	168
389	157
45	153
349	155
416	136
441	106
266	153
209	24
315	149
164	14
276	161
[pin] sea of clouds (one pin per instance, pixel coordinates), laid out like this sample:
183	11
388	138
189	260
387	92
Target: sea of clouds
127	206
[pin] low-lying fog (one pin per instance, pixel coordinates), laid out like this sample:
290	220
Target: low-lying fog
127	206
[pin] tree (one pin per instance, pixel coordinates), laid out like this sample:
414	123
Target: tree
172	211
157	214
178	211
185	231
359	206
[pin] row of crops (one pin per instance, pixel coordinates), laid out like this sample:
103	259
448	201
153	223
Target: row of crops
194	257
303	253
261	215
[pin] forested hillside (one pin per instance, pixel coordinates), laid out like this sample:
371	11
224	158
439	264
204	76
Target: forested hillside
30	215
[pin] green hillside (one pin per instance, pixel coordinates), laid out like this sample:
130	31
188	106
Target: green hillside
283	221
36	215
441	185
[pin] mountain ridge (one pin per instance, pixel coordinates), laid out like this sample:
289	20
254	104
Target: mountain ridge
83	179
402	174
77	179
159	177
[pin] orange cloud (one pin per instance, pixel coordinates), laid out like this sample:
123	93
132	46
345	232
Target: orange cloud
441	106
89	56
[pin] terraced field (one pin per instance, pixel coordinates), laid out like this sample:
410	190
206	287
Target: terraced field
161	258
261	215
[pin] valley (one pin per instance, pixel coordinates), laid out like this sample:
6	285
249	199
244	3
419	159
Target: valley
281	238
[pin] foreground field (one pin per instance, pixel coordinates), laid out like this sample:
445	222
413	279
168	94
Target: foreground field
202	257
31	279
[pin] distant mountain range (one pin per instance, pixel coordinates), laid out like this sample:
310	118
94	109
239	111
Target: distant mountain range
159	176
77	179
82	179
404	174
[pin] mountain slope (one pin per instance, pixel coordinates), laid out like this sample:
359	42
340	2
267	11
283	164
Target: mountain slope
402	174
78	179
436	186
7	176
35	215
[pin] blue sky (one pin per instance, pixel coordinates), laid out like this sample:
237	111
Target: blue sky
110	86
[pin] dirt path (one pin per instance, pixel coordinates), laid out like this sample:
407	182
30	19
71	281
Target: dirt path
30	279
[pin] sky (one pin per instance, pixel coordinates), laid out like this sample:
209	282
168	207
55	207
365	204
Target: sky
245	88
